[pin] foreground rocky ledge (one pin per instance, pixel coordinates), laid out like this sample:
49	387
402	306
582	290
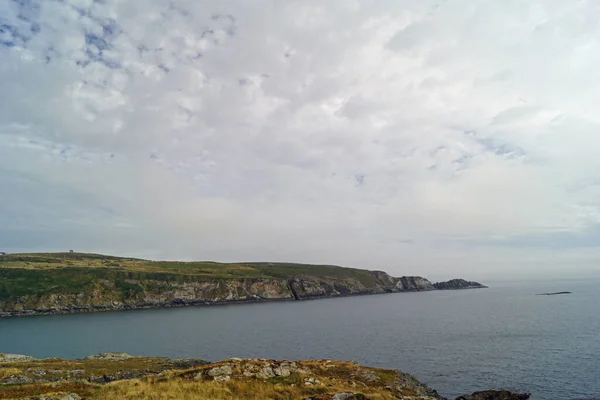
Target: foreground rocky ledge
121	376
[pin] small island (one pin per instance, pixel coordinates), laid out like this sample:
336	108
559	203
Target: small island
458	284
553	294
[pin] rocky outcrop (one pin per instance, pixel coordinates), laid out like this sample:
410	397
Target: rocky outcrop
300	379
455	284
7	358
173	291
99	368
413	284
109	356
495	395
315	379
320	375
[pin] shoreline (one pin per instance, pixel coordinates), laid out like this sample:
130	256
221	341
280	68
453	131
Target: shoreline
193	303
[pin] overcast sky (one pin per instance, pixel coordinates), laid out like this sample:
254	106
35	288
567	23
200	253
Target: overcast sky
437	138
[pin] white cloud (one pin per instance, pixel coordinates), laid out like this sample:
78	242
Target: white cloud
415	136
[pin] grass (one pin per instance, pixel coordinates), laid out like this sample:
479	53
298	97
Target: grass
56	261
248	390
159	379
333	377
56	375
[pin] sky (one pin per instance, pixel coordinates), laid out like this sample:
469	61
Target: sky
434	138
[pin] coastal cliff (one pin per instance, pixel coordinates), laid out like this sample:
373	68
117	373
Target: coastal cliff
35	284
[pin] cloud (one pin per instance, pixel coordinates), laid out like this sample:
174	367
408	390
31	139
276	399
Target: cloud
416	136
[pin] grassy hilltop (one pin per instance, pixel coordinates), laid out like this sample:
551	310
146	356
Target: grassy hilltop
46	273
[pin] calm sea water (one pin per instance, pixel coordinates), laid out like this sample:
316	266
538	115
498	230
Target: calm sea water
455	341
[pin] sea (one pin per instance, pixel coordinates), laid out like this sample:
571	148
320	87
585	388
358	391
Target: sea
456	342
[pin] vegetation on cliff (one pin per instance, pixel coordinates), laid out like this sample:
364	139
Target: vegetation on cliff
50	283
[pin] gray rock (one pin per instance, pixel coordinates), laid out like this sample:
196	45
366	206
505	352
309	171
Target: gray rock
265	373
311	381
6	358
109	356
220	371
369	376
495	395
342	396
16	380
413	284
70	396
283	370
222	378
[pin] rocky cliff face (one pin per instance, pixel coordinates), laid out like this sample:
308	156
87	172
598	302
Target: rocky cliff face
413	284
454	284
107	294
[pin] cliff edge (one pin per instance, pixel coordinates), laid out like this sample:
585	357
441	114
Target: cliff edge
59	283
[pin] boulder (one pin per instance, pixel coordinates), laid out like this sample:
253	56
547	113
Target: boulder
283	370
265	373
342	396
220	371
495	395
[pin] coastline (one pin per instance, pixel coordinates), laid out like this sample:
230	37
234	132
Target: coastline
193	303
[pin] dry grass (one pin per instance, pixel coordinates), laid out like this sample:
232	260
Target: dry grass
9	371
181	389
27	391
197	383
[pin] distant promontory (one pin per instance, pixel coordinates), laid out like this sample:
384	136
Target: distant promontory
455	284
65	283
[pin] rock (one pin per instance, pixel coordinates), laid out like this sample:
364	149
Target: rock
553	293
495	395
220	371
222	378
283	370
70	396
413	284
342	396
76	372
17	380
6	358
311	381
369	376
456	284
109	356
265	373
